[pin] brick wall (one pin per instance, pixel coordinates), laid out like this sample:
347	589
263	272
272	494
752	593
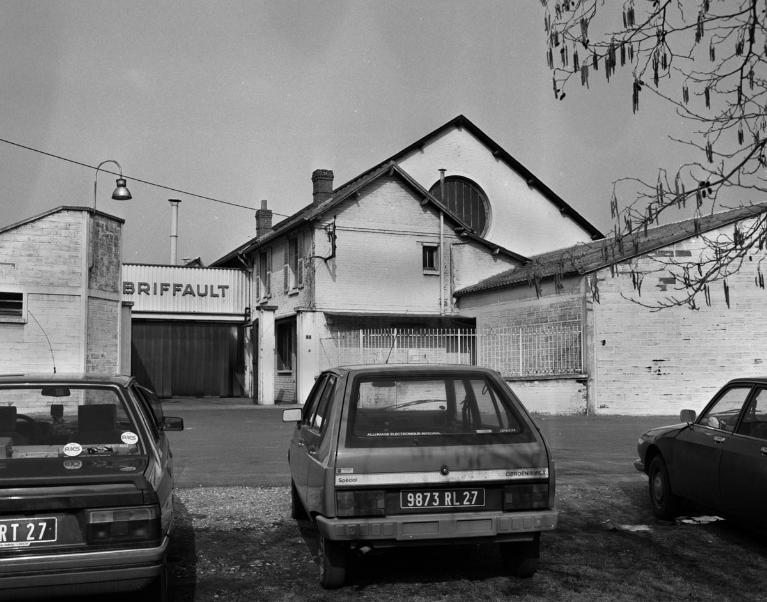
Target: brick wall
660	362
44	258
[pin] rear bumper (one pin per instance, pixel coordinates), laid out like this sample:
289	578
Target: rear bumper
434	527
74	573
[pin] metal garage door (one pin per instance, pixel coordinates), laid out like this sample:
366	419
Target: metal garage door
188	359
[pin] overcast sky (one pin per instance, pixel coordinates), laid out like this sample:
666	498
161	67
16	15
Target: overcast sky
241	101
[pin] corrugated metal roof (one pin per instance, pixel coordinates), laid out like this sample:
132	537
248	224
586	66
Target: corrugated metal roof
589	257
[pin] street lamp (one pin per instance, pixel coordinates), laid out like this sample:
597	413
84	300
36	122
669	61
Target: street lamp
121	192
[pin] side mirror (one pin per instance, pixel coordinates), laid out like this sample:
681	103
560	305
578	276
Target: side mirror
687	416
291	415
172	423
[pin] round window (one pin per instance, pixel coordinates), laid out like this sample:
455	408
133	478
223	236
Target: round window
466	200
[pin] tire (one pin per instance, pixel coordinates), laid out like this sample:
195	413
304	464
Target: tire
297	510
665	505
333	562
522	558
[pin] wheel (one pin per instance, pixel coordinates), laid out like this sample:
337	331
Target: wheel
664	503
158	591
333	561
297	510
522	558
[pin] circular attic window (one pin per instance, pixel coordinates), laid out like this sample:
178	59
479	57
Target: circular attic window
466	200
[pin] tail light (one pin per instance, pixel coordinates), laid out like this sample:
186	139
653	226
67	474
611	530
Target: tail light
528	496
360	503
122	525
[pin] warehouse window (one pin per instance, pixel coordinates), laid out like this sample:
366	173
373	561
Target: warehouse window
430	259
466	200
285	333
11	306
265	273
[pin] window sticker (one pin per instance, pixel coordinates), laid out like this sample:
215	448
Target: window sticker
73	449
129	438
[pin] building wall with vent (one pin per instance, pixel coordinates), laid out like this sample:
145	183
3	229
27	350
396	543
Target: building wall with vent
60	298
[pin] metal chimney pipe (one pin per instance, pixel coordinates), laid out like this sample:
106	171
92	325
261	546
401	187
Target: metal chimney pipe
174	203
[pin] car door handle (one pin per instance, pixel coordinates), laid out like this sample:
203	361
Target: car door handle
300	443
763	451
718	439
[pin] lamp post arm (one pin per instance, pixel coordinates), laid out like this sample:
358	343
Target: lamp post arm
96	179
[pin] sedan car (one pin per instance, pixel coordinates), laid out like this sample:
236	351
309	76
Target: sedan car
86	486
717	460
386	456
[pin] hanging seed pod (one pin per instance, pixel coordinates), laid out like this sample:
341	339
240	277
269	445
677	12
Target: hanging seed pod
584	76
630	15
635	96
707	96
576	62
740	94
563	56
623	54
584	31
739	46
614	206
709	151
595	61
699	28
655	71
550	58
556	91
630	50
751	78
712	51
664	61
740	134
726	293
685	94
707	295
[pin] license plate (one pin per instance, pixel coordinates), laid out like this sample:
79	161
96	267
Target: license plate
442	498
26	531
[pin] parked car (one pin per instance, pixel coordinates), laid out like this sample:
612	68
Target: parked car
386	456
717	460
86	486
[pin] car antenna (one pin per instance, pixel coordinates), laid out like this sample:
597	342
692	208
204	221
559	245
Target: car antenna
393	343
50	347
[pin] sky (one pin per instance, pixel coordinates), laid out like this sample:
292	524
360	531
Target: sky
241	101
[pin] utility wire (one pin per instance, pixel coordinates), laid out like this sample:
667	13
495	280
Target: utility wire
134	179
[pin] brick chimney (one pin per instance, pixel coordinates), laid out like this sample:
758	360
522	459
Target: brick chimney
322	185
263	220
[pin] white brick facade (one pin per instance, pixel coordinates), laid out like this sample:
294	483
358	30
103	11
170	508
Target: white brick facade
638	361
66	263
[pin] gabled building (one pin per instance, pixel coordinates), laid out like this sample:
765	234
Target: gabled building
577	330
387	250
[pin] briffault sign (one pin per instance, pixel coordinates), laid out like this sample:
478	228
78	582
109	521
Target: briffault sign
175	289
185	293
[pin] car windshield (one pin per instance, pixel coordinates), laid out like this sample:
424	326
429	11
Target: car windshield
432	410
49	421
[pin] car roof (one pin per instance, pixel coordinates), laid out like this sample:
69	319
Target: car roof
412	368
749	379
70	378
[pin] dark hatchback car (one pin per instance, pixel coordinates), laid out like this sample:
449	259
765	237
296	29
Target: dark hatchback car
86	487
387	456
717	460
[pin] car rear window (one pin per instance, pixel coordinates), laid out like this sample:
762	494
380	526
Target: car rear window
432	409
64	421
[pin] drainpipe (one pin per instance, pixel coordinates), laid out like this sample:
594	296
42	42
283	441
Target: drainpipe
174	203
441	244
